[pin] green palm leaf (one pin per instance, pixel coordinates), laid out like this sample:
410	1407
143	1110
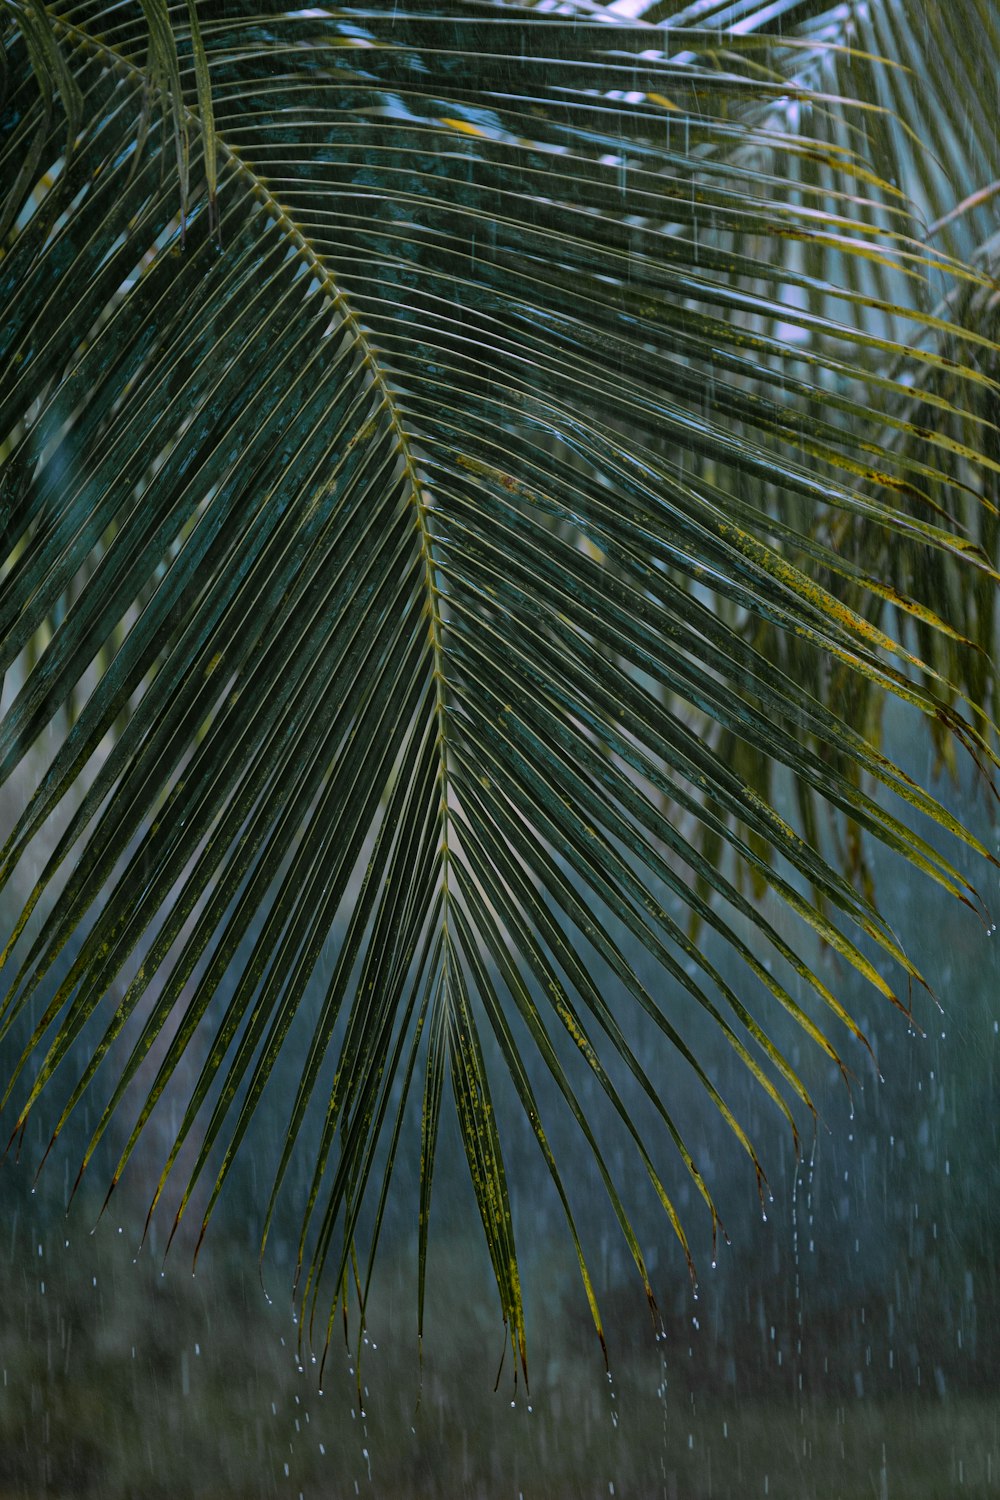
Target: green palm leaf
447	468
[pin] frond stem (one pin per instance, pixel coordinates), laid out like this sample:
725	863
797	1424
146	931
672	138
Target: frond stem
369	355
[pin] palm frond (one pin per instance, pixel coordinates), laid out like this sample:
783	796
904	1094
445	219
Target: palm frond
461	438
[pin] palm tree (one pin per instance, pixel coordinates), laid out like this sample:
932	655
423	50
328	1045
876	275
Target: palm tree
474	476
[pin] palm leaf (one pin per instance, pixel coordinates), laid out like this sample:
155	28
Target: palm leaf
442	500
946	155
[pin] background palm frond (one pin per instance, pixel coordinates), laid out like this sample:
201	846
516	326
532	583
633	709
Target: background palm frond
474	445
935	138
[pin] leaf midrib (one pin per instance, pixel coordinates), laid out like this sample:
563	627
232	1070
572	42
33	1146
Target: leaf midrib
336	295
